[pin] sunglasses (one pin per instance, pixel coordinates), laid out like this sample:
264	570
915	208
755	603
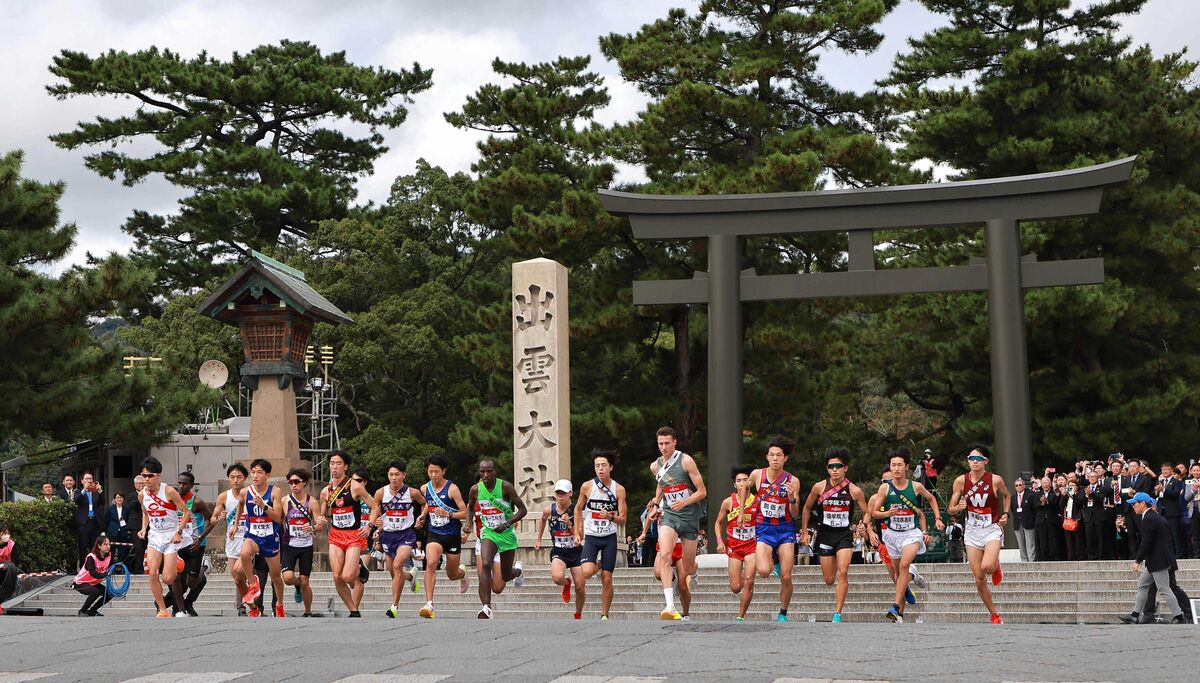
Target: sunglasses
148	475
976	458
834	466
295	481
361	481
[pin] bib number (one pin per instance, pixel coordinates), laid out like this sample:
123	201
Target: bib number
979	519
771	509
260	526
343	518
563	539
492	517
438	520
675	493
742	533
161	522
903	521
837	518
395	520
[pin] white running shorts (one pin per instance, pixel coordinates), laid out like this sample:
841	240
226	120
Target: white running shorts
897	540
980	536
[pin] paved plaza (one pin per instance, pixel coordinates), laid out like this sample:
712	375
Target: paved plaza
218	649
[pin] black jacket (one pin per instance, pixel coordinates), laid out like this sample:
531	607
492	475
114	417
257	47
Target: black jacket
64	495
1046	513
1155	549
1025	519
1169	502
1098	495
81	510
111	523
1076	508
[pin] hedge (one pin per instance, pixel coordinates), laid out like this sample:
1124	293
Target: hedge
42	533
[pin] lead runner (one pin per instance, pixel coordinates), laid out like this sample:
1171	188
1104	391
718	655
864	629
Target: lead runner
681	490
985	495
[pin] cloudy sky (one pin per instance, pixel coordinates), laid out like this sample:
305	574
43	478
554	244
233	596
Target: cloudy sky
458	39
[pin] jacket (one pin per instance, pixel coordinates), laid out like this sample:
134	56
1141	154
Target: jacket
1155	550
1024	501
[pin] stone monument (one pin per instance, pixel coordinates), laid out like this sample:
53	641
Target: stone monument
541	387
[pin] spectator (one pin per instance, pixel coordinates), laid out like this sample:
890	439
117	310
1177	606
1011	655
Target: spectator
1071	505
1169	490
954	540
929	467
1154	557
650	531
67	491
860	544
631	552
90	579
1133	482
48	493
702	542
9	564
117	527
1191	510
418	556
1045	520
134	560
1097	525
89	508
1023	521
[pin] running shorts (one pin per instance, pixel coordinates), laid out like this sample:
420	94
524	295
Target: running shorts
738	550
775	535
390	541
299	560
830	541
233	546
685	524
979	537
162	542
451	544
572	557
605	547
897	540
347	539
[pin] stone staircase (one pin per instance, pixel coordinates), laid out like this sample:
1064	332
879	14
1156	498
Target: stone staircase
1045	592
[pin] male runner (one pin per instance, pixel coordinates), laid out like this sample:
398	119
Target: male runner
445	513
226	507
397	524
985	497
365	519
774	531
737	538
500	508
164	518
565	551
347	535
835	542
300	522
261	504
680	488
193	578
906	534
599	512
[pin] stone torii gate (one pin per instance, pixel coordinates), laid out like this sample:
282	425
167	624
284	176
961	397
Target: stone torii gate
1000	204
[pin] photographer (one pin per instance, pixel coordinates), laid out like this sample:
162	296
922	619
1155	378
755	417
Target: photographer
1070	508
1045	518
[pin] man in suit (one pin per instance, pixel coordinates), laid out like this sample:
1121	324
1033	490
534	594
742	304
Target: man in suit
1135	481
1169	490
48	493
1096	521
1191	508
1046	521
89	509
1023	515
1153	560
67	491
117	526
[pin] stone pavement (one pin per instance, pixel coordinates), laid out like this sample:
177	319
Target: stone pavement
418	651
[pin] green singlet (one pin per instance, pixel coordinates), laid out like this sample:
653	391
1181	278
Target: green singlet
494	510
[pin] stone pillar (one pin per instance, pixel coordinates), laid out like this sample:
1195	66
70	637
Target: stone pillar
541	388
274	434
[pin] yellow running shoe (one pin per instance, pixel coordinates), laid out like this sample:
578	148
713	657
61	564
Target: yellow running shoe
669	615
427	611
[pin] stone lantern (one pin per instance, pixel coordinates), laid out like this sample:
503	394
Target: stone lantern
275	309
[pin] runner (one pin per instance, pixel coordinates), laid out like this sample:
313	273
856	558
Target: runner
445	512
497	576
398	536
835	542
501	509
360	476
679	492
227	507
684	589
347	535
774	529
164	519
192	578
906	534
737	538
299	525
565	551
599	511
264	513
985	495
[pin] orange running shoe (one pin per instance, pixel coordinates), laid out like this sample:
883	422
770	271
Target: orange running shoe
997	577
566	591
279	611
252	591
164	614
996	619
884	556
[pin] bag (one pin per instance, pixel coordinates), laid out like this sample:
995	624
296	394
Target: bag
1070	524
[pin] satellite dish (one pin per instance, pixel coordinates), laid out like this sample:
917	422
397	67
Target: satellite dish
214	374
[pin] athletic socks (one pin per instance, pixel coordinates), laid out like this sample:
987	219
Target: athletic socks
783	612
669	595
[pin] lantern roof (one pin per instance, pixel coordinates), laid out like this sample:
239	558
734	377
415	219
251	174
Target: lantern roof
261	272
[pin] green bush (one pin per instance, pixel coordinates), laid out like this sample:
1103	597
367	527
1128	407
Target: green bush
42	533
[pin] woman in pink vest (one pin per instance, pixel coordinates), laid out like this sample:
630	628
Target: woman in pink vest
90	579
8	564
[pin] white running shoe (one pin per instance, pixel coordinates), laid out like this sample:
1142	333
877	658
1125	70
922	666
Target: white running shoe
182	615
918	579
464	583
485	613
520	580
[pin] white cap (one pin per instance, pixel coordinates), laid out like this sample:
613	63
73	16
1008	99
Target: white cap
563	486
928	452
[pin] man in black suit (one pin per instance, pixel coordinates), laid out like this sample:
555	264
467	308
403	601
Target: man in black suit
1136	480
1096	521
1046	520
1169	490
67	490
1023	516
89	511
1154	551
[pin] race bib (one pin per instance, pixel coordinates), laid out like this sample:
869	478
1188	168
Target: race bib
979	519
397	520
162	522
438	520
260	526
597	523
492	517
771	509
297	536
563	539
903	521
742	533
675	493
837	517
343	518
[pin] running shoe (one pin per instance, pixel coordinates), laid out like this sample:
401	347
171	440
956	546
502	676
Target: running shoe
164	614
603	617
909	597
364	574
191	612
464	583
997	576
354	614
520	579
279	613
837	617
298	595
578	615
181	615
566	591
685	617
669	615
254	612
485	613
781	618
427	611
414	583
894	615
919	580
252	591
739	618
996	619
391	612
241	610
777	571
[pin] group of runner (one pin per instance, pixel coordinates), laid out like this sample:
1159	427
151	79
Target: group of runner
271	532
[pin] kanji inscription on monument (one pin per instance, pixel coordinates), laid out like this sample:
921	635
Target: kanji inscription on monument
541	382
